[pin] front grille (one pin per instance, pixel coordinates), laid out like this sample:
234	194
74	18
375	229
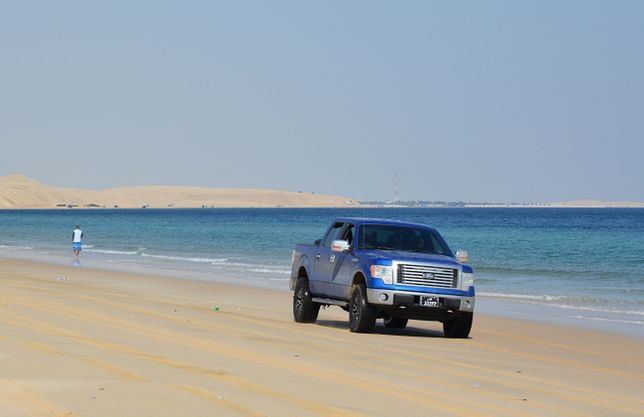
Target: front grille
427	276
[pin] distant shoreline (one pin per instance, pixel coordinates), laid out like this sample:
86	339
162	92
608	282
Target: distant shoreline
572	204
20	192
362	207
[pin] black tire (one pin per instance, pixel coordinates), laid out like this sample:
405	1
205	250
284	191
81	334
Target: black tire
362	318
458	328
304	309
395	322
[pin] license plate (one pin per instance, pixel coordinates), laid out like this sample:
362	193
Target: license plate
429	301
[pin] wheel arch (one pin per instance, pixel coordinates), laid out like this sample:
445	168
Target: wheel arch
359	278
302	272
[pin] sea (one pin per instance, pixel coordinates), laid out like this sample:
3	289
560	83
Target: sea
579	267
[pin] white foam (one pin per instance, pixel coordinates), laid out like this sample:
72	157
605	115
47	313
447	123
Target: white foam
269	270
535	298
16	247
601	310
524	296
112	252
609	320
257	267
186	259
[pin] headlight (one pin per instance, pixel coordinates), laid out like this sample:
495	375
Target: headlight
385	273
467	280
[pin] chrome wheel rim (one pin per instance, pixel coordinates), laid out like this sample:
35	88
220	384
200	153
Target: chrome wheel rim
299	301
355	310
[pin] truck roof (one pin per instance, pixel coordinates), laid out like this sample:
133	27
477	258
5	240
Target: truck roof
367	220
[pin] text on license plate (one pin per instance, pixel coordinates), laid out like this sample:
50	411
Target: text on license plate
429	301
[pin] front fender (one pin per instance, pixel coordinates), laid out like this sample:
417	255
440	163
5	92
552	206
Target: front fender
360	269
295	270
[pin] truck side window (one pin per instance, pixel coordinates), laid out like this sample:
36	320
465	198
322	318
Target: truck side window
332	235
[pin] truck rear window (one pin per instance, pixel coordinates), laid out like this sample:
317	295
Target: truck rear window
403	238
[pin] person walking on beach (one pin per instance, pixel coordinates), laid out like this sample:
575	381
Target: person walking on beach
77	238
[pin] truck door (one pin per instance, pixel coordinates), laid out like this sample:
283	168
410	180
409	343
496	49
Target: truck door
341	266
319	283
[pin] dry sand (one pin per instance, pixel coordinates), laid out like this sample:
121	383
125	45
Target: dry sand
17	191
82	342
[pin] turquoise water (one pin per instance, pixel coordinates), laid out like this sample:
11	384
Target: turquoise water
581	263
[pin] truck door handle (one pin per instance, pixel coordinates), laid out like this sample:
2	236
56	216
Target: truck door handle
317	257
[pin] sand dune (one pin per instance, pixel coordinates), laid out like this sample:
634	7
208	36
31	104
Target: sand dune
17	191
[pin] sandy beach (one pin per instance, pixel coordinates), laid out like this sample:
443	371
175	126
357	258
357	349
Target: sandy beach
83	342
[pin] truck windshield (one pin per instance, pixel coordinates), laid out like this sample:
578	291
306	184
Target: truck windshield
403	238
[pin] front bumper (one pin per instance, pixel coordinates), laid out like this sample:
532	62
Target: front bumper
401	300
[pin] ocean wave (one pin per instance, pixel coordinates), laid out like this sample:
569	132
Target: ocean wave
602	310
186	259
555	301
608	320
556	271
259	268
270	270
112	252
215	262
528	296
16	247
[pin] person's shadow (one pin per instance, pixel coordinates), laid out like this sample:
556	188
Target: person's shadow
76	262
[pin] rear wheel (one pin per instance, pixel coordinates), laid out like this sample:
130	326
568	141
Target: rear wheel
304	309
458	327
362	318
395	322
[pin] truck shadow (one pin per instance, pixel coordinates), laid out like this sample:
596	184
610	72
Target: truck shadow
409	331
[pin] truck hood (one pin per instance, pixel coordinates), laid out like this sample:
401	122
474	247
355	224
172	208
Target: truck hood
402	256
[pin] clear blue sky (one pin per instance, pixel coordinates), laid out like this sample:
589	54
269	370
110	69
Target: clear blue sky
477	101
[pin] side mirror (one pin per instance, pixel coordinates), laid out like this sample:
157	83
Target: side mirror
340	246
317	242
462	256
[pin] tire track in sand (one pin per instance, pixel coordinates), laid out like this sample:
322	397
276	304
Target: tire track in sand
20	397
239	383
430	357
509	379
379	387
410	394
119	372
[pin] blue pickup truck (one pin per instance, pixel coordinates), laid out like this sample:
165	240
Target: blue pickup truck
383	269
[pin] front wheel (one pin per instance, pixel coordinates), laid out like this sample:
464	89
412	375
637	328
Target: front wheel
459	327
304	309
362	318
